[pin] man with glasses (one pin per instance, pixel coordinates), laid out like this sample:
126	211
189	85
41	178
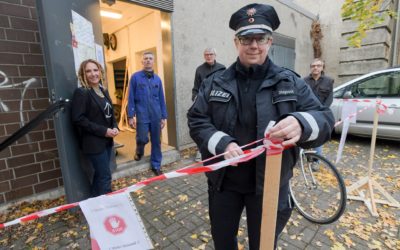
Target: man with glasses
233	107
322	86
207	68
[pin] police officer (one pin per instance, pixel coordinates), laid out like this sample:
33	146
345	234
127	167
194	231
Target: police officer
147	111
250	93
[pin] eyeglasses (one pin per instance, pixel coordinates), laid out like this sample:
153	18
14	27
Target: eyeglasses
316	65
247	40
208	54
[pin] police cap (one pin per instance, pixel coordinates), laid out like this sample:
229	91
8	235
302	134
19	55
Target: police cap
254	19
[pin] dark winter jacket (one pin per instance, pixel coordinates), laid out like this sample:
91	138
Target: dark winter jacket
322	88
202	72
213	116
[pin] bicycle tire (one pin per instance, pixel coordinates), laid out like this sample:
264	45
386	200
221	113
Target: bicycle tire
309	200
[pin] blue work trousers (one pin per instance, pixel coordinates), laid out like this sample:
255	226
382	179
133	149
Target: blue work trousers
102	172
142	138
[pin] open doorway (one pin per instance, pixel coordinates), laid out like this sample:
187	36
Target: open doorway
138	29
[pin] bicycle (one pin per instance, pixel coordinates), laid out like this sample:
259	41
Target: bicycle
319	194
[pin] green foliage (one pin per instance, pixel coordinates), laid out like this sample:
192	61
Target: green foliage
367	13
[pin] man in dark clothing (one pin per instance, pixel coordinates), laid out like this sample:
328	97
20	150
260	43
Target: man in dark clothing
233	107
207	68
322	86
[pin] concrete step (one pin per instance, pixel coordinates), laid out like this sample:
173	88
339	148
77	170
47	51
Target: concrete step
134	167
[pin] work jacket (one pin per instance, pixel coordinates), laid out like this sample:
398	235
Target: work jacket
146	98
213	116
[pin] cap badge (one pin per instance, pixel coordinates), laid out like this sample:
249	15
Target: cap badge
250	12
251	20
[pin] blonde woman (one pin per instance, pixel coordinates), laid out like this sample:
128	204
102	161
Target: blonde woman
93	116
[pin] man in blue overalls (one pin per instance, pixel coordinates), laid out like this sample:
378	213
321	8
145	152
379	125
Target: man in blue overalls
147	111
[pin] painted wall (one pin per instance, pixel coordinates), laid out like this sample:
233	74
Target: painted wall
331	25
208	27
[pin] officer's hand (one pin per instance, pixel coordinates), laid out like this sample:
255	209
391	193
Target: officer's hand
233	150
162	123
132	122
288	129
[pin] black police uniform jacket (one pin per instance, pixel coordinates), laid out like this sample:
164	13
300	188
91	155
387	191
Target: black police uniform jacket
213	116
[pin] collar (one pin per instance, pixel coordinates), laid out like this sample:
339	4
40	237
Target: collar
320	77
254	71
210	65
148	74
273	74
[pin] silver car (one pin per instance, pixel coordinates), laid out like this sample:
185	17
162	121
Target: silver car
384	84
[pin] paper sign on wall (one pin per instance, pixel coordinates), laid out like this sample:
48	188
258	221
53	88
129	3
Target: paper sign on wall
115	223
82	35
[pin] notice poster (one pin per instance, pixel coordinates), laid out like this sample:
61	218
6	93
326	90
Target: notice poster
82	39
115	223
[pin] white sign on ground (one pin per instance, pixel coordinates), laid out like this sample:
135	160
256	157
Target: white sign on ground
115	223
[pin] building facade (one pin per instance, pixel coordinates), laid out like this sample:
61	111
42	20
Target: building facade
31	168
379	49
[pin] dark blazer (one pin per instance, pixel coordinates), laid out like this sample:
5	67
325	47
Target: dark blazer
88	117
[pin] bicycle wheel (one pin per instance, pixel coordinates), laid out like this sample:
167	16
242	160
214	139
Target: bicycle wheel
319	194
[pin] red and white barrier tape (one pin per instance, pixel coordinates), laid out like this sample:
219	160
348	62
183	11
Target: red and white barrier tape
273	147
381	109
196	168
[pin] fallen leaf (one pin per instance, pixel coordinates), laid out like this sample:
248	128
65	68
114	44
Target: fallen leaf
30	239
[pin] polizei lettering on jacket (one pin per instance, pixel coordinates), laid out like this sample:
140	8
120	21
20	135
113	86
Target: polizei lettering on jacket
219	93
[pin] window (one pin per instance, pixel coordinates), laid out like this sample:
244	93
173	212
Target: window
339	93
384	85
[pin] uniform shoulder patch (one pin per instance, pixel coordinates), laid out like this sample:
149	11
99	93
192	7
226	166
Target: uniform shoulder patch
219	95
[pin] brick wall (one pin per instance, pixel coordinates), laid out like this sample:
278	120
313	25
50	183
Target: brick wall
30	165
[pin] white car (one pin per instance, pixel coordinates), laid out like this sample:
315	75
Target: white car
384	84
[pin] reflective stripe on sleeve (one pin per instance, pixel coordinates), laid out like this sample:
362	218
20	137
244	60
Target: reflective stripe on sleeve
313	124
214	140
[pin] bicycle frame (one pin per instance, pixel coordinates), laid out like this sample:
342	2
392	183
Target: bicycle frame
302	156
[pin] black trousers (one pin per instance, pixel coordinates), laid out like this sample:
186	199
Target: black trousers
226	207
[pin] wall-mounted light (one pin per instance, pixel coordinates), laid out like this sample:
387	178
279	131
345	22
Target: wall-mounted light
111	13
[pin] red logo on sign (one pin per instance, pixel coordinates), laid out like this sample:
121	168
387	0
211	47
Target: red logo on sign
115	224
